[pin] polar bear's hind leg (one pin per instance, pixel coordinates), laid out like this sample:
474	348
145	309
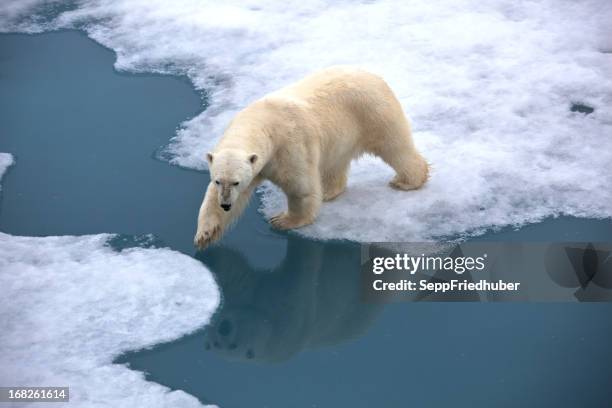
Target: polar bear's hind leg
397	149
412	171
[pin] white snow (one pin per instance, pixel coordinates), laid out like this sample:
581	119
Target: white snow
488	87
6	161
70	305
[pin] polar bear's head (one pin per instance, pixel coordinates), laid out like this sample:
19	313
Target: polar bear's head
232	170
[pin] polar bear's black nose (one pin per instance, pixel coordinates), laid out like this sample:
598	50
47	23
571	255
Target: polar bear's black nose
226	207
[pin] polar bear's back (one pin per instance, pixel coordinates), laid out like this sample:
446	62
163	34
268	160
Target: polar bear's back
337	84
353	109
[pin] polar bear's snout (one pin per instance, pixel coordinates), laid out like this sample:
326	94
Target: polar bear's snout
226	196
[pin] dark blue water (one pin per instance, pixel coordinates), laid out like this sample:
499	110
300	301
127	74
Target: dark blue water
84	138
292	331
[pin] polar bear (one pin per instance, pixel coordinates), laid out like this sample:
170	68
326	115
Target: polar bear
302	138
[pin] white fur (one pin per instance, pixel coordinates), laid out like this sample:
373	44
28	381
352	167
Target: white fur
303	138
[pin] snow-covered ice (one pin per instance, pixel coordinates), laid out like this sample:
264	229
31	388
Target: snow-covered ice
488	87
70	305
6	161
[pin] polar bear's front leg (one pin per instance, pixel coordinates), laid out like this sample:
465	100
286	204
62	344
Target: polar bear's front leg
303	208
334	183
210	219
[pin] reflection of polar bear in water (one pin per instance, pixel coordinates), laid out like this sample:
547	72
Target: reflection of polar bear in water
312	299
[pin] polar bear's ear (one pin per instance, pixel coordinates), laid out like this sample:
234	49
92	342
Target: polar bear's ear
253	158
209	156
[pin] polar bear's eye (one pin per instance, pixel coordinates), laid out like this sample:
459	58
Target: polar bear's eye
217	182
236	183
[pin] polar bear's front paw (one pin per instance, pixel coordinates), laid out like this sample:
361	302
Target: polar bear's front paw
284	221
207	234
281	221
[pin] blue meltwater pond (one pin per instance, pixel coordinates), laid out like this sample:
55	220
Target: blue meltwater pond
291	331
